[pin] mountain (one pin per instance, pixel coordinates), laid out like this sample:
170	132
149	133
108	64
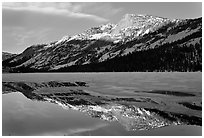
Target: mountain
135	43
7	55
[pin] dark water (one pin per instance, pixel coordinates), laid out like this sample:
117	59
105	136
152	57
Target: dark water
22	116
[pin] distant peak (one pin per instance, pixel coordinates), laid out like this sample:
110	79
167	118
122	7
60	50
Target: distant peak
134	15
131	16
128	16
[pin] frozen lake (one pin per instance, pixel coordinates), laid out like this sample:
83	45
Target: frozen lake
23	116
180	81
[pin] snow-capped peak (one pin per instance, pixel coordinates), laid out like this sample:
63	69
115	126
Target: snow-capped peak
107	26
128	28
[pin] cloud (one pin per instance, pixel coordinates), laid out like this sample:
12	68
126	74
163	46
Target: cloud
61	9
103	9
26	23
23	35
18	38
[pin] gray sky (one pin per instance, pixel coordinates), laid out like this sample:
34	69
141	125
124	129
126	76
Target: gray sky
24	24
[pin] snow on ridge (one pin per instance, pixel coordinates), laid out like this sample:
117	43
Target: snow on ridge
139	32
98	36
74	37
111	28
109	25
147	31
62	40
48	46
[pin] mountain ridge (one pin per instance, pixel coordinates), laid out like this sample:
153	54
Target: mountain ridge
110	42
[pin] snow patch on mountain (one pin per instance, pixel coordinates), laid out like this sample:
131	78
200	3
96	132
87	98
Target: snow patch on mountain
193	41
147	31
104	57
65	38
99	36
180	35
128	50
65	65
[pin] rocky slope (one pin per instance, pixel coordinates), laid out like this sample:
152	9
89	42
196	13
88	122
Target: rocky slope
6	55
135	43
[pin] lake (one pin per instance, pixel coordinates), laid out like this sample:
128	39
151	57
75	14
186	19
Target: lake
24	116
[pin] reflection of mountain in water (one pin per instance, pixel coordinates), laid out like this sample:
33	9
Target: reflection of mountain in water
104	107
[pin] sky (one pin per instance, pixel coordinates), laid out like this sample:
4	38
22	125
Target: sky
25	24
